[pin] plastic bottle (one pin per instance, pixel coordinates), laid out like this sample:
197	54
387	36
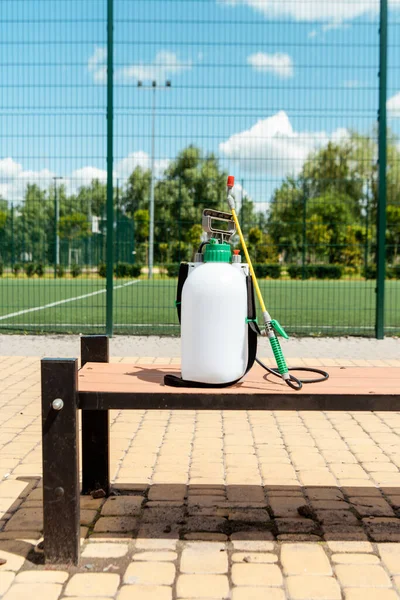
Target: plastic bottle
213	320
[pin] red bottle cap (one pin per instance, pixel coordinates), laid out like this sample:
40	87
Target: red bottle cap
231	181
237	252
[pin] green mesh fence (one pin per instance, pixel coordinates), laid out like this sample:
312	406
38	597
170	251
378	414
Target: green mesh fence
283	95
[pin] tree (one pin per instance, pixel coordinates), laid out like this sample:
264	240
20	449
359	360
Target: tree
136	195
90	199
33	241
335	187
73	227
393	232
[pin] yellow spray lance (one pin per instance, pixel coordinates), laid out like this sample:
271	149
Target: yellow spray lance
271	326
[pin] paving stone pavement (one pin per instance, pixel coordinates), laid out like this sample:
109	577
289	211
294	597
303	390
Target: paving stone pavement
123	345
239	505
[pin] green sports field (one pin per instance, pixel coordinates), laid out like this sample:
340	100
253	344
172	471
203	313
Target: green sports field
147	307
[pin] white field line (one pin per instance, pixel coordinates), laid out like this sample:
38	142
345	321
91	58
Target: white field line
52	304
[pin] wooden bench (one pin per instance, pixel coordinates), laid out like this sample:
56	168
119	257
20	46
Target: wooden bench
100	386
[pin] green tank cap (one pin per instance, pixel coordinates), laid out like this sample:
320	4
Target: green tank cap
217	252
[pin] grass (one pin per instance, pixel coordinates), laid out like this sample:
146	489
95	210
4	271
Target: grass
140	306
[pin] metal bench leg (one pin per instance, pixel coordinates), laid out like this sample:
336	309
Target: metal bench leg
60	441
95	426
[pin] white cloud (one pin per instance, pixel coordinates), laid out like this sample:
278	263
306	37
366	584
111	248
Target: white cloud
312	33
97	65
14	179
352	83
393	106
86	175
280	64
336	11
333	25
163	66
272	146
124	167
240	192
9	168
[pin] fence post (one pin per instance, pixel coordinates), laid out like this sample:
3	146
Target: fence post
110	194
381	209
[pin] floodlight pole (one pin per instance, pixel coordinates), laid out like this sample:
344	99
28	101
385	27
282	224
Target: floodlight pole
152	173
56	221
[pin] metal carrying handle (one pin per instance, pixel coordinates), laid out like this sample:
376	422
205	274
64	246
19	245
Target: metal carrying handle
210	215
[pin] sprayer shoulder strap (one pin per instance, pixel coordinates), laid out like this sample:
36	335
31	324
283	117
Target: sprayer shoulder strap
253	332
182	276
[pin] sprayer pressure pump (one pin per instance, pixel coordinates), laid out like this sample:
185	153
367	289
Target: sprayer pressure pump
216	310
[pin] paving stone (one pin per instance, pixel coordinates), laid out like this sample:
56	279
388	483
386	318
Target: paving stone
33	591
390	554
6	580
155	556
122	505
202	586
261	574
143	543
296	525
145	592
211	524
372	576
258	593
286	507
383	529
92	585
116	524
104	550
33	536
355	559
303	559
167	492
306	587
42	577
12	488
202	557
87	502
204	536
254	557
13	561
324	493
372	507
249	493
298	537
338	533
249	515
352	546
85	598
156	573
369	594
252	541
87	516
29	519
344	517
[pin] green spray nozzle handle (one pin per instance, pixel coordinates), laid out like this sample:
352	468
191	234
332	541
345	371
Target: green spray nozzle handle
279	329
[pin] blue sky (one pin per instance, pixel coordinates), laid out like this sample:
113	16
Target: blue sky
261	83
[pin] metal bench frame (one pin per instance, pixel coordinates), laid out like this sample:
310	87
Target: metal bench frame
61	401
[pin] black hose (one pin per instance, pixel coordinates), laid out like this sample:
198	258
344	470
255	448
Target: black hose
294	382
199	251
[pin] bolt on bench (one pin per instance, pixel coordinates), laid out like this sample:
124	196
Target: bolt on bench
99	386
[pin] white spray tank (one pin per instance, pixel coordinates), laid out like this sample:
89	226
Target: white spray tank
214	330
